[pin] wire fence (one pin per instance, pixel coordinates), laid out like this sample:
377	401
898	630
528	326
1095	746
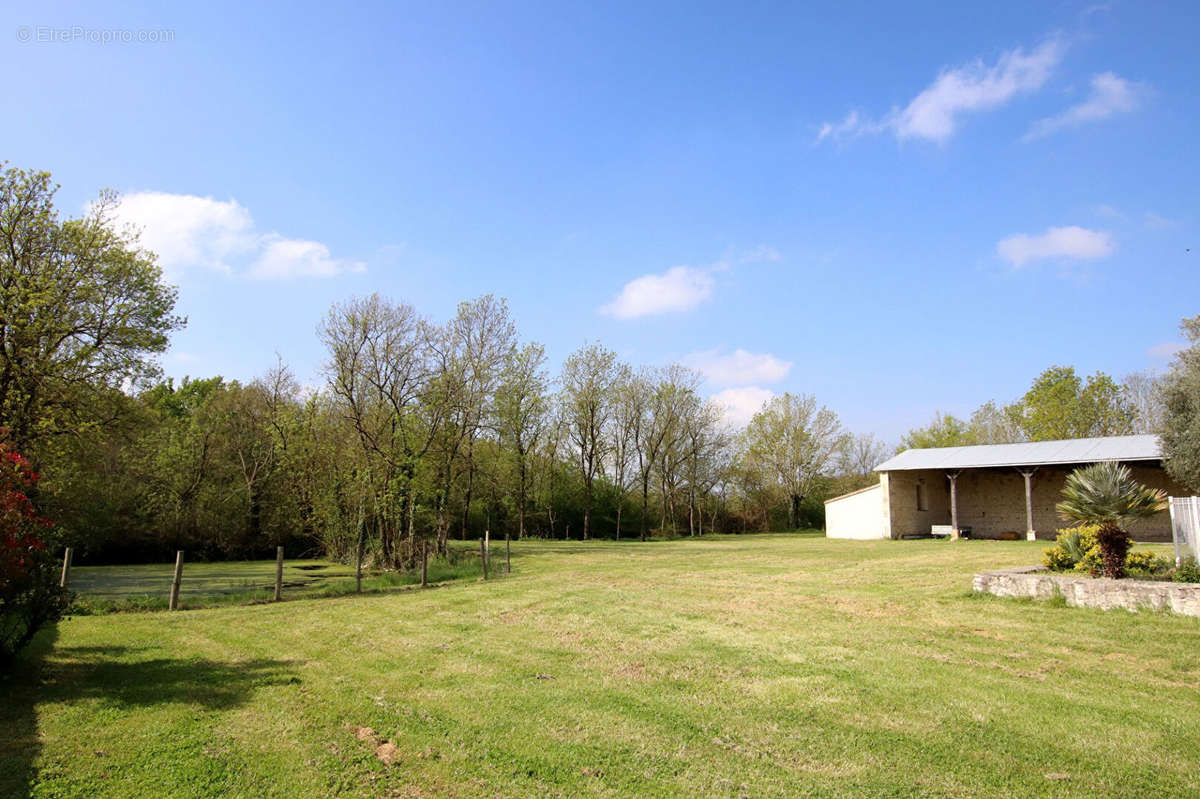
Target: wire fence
1185	527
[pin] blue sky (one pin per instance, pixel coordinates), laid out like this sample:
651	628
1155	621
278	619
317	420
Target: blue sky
897	210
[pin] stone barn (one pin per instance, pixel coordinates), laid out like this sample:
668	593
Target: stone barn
991	490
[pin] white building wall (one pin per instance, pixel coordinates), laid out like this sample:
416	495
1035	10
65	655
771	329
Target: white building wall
857	515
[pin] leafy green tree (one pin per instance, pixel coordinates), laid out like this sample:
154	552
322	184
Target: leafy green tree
792	442
946	430
1060	405
522	405
83	311
1106	495
1181	410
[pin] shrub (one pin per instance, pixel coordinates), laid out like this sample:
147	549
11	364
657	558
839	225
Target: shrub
1077	549
29	593
1070	547
1187	572
1145	563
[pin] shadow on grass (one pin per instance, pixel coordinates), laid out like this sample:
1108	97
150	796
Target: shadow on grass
113	676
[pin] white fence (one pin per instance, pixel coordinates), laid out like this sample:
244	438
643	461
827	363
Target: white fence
1185	527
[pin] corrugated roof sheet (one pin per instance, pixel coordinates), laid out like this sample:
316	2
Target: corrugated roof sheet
1034	453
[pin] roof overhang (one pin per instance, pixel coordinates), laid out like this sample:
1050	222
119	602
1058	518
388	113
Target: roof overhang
1034	453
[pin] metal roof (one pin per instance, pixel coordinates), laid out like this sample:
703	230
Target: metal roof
1033	453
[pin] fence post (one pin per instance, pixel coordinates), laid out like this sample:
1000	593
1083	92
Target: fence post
278	573
424	563
173	603
507	552
483	556
1174	529
66	572
358	551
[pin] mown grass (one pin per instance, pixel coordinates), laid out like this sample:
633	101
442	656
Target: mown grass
754	666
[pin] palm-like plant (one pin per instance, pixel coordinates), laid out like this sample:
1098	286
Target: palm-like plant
1106	495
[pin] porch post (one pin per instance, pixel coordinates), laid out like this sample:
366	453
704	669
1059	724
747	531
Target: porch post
1030	534
954	531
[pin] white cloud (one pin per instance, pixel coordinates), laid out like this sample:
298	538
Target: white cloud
738	367
738	405
190	232
1057	242
935	113
680	288
1166	350
285	258
1110	95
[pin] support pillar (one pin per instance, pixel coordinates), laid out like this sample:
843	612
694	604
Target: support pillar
955	533
1030	533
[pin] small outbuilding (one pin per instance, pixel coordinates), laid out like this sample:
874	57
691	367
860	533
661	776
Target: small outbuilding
991	490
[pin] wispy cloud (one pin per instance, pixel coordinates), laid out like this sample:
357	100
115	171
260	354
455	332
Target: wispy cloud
1166	350
188	232
680	288
738	367
1071	242
1111	94
1154	221
738	405
936	113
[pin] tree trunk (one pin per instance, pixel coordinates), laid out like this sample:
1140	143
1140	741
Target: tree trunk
587	509
1114	546
645	503
521	502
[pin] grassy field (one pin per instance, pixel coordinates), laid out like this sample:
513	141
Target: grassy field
763	666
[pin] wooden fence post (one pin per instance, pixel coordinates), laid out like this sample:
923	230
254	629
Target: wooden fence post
483	556
358	550
507	553
278	573
66	572
424	563
173	603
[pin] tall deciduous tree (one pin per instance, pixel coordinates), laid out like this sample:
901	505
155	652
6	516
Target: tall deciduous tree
378	368
946	430
521	412
1143	394
587	382
1060	405
793	441
628	412
83	310
1181	410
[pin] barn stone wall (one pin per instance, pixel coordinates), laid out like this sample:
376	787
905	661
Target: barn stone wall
992	501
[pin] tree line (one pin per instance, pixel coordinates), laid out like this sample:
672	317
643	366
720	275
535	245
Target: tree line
421	430
425	431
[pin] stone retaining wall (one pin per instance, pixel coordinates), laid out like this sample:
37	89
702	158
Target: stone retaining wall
1091	592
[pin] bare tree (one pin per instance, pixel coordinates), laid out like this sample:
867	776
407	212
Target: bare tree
861	454
1144	393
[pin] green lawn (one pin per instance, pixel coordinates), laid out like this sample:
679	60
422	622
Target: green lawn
760	666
